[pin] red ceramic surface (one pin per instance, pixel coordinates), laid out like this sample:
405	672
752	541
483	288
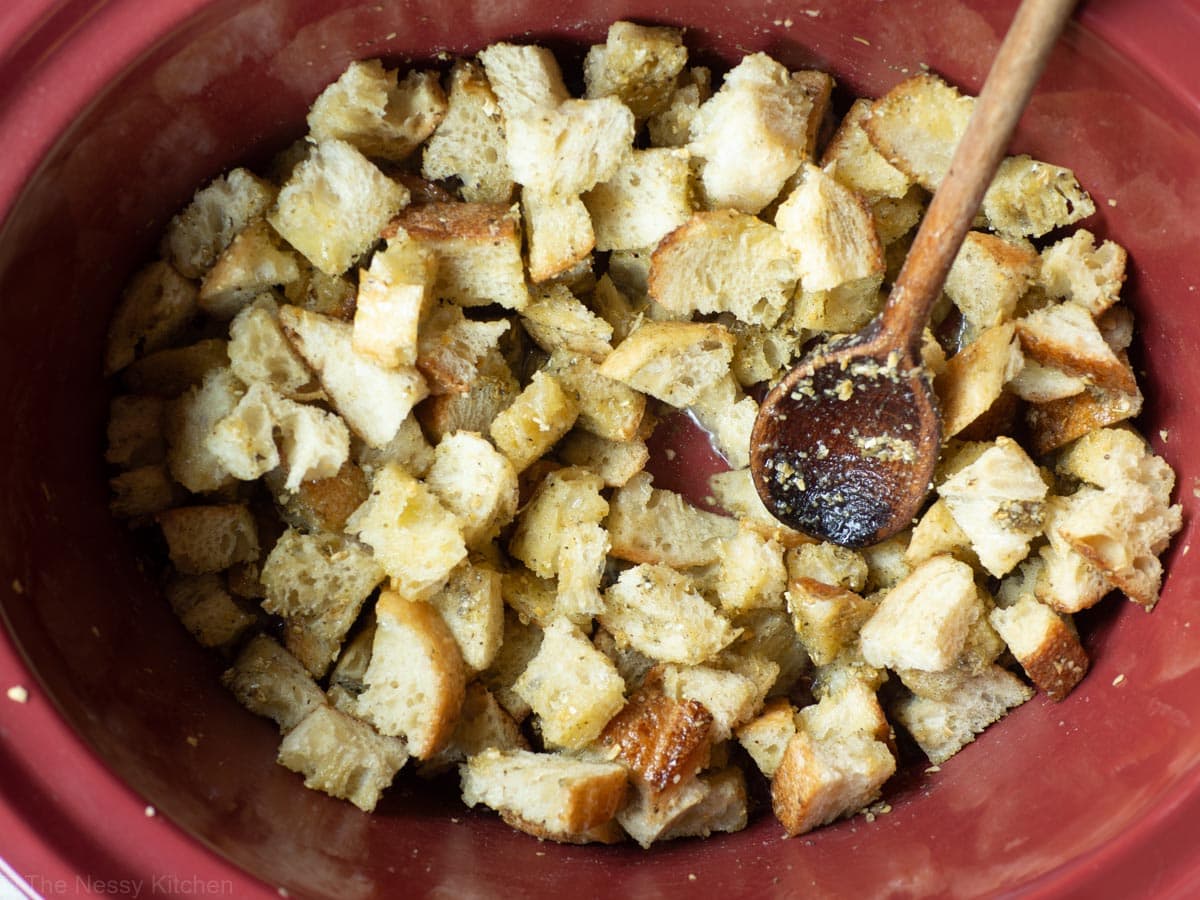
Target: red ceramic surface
113	111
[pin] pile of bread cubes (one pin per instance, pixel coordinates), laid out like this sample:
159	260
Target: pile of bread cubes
386	405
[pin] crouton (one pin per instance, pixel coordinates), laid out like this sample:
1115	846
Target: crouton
673	361
916	126
731	697
330	295
1028	198
570	148
334	206
207	610
829	564
943	727
827	617
304	573
517	648
135	431
938	533
1064	336
414	537
558	321
253	262
1077	270
608	408
988	277
409	449
1059	422
922	622
315	638
155	309
190	420
998	501
415	684
372	400
614	461
393	299
534	421
766	736
525	78
831	230
469	142
644	200
637	64
197	235
473	609
853	160
974	378
1037	383
483	725
734	492
478	251
476	483
751	135
550	796
260	352
747	267
760	355
722	808
323	504
452	348
728	416
380	115
343	757
1045	643
751	573
572	687
209	538
851	709
1063	578
655	525
559	232
142	492
649	817
270	682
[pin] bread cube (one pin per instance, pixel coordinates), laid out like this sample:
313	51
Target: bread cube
372	400
974	378
766	736
343	757
672	125
135	431
570	148
329	295
828	563
659	612
558	321
608	408
483	725
751	135
748	267
843	309
1077	270
637	64
472	607
751	573
334	206
922	622
643	201
478	251
732	697
1045	643
649	817
260	352
168	373
559	233
654	525
853	160
826	617
469	143
207	610
368	107
614	461
253	262
1056	423
761	355
204	539
937	533
550	796
734	492
415	683
155	309
393	299
916	126
218	211
414	537
270	682
1037	383
1064	336
572	687
728	416
476	483
243	442
673	361
723	807
526	78
520	644
141	492
304	573
1028	198
988	277
535	421
1063	578
451	348
492	391
848	711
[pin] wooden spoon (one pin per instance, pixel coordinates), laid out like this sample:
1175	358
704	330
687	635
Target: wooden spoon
844	447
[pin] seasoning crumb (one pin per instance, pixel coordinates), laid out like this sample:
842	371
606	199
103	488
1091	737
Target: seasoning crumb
18	694
670	453
17	587
283	892
691	876
151	812
862	40
1112	201
1118	680
193	741
95	632
1164	434
933	769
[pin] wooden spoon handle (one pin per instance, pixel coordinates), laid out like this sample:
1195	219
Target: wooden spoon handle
1016	69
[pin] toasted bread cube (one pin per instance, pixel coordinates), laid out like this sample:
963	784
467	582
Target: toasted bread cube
330	295
734	492
469	143
769	634
315	443
519	646
843	309
170	372
572	687
197	235
988	277
559	231
828	563
343	757
916	126
373	400
525	78
614	461
305	573
476	483
751	135
854	161
1065	337
999	501
253	262
383	117
209	538
535	421
316	638
141	492
535	599
415	684
655	525
1045	643
334	206
409	449
323	504
243	442
943	727
850	710
766	736
156	307
672	126
135	431
649	817
761	354
478	251
637	64
558	321
570	148
826	617
491	392
1028	198
1059	422
673	361
818	781
723	808
732	697
207	610
659	612
550	796
1109	457
937	533
611	304
748	268
751	573
894	222
1038	383
922	622
662	740
452	348
974	377
260	352
189	422
393	299
414	537
270	682
608	408
1075	269
728	416
483	725
472	607
1063	578
832	231
644	200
